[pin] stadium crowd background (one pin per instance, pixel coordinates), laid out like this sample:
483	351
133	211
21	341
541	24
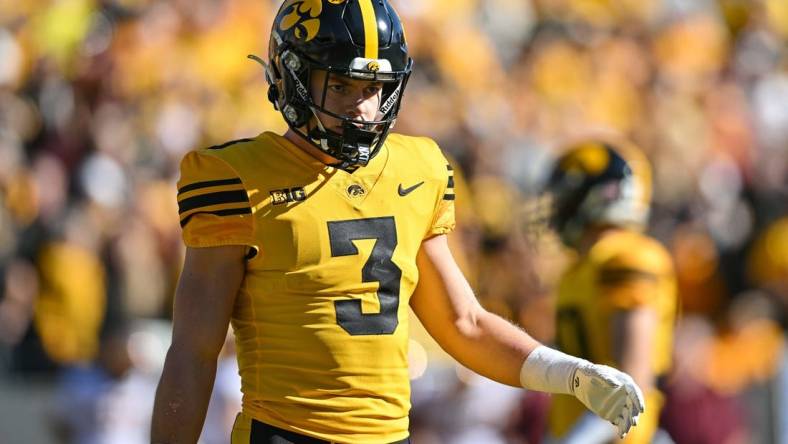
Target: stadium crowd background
99	100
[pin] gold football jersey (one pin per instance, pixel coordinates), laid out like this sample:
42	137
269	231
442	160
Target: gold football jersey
623	270
321	319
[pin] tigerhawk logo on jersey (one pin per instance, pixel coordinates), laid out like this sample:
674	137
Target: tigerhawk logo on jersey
302	16
288	195
356	190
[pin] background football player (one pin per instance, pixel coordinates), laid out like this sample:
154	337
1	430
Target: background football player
312	244
616	302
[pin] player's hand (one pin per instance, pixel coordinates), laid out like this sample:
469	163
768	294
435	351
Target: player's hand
609	393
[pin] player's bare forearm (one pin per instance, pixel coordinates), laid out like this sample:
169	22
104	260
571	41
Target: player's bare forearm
490	346
182	398
203	305
478	339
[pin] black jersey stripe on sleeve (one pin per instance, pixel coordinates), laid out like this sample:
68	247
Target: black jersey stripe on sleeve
232	142
217	198
620	276
449	195
228	212
208	183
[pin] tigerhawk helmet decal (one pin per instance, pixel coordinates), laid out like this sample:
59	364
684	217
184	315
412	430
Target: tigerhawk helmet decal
303	18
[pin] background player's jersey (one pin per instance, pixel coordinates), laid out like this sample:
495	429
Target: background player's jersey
321	319
623	270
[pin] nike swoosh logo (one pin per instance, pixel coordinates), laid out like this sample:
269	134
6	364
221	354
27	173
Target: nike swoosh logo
408	190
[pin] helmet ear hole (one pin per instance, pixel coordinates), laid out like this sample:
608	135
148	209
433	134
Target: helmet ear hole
273	96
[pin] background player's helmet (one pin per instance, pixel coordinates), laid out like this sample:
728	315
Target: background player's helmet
360	39
596	183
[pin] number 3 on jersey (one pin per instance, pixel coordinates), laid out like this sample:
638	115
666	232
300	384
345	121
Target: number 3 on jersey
378	268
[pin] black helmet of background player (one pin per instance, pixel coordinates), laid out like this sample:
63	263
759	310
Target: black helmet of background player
598	184
359	39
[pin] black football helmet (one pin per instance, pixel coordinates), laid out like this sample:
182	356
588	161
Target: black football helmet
359	39
598	183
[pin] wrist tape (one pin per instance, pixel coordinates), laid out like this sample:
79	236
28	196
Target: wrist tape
549	370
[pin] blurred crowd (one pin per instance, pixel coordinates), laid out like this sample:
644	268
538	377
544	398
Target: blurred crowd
99	100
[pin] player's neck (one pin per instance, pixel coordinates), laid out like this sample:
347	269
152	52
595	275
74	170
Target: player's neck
309	148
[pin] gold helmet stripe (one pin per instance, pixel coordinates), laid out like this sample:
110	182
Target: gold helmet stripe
370	29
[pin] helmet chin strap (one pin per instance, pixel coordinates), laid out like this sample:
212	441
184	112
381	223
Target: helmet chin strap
356	143
353	147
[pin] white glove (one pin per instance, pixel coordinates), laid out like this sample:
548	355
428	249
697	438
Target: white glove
609	393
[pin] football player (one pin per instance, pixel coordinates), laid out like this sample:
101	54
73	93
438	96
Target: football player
616	303
313	244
